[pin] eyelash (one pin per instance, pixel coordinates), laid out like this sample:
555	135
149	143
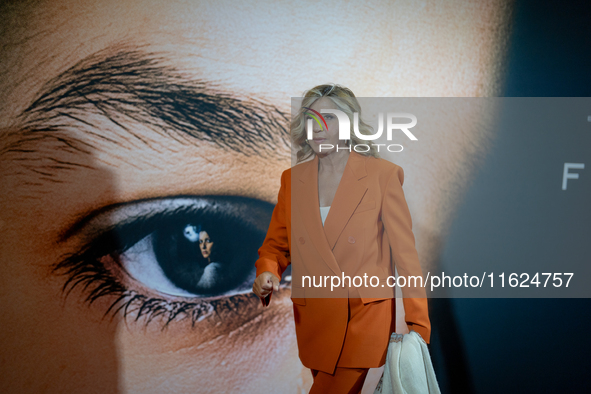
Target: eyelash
91	273
88	270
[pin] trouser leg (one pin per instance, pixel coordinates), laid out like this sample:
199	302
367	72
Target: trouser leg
343	381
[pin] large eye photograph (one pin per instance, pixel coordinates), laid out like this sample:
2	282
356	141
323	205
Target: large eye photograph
188	247
152	171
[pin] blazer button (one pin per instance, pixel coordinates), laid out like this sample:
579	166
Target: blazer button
351	240
302	240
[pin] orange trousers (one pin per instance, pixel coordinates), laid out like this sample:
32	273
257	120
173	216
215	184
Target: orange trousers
343	381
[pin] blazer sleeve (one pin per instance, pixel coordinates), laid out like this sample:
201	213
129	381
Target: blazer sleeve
274	254
398	225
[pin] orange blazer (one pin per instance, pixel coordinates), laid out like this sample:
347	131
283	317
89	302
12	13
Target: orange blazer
368	230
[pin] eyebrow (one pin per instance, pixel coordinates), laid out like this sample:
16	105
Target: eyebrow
130	85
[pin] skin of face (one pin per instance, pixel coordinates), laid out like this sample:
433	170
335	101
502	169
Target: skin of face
259	51
205	243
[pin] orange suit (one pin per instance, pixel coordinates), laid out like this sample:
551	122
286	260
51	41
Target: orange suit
368	230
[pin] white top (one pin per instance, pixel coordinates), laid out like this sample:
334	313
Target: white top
324	213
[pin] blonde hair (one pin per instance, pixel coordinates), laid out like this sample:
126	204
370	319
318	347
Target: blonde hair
345	101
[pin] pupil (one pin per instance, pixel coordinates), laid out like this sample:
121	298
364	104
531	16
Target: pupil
209	256
180	255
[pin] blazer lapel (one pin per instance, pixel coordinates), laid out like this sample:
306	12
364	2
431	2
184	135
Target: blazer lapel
349	193
306	208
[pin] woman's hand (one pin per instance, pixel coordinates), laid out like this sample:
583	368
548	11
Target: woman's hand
264	284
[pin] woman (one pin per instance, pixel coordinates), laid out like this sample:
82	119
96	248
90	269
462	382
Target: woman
213	271
358	199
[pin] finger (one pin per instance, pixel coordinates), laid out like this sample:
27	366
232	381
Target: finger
264	292
275	282
259	291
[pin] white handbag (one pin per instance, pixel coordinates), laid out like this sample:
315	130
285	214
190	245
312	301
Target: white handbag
408	368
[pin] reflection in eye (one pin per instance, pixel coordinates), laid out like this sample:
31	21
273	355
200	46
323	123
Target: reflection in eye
159	244
191	233
173	261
